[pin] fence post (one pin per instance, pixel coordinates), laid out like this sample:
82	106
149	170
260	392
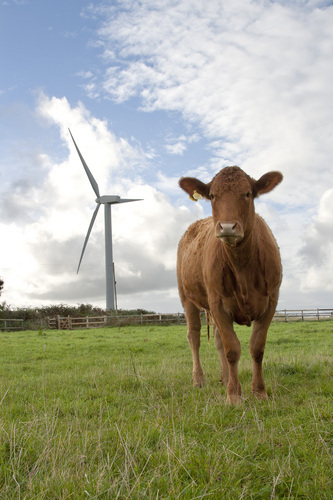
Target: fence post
302	315
318	314
58	322
285	315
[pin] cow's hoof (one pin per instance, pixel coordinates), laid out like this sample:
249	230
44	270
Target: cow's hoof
234	399
198	380
262	395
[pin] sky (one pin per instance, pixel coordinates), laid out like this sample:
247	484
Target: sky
154	90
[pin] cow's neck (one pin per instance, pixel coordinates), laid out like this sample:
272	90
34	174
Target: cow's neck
240	260
240	256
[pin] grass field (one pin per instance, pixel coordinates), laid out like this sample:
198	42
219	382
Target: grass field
112	413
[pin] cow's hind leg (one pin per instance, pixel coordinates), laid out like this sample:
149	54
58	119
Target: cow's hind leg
193	337
222	358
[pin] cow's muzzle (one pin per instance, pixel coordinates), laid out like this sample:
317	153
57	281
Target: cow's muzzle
229	232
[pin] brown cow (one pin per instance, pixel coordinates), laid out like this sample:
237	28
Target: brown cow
229	264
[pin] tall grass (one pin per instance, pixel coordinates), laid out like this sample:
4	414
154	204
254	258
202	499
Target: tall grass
112	414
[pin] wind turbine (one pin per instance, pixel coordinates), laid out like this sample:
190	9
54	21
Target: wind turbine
107	201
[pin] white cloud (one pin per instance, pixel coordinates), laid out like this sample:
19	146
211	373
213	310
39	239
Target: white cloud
317	251
256	78
177	148
85	74
178	145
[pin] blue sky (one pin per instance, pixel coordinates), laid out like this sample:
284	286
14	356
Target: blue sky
153	90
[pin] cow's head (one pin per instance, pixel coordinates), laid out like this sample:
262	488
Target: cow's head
232	194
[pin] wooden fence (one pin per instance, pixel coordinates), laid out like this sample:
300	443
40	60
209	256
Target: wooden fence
70	323
7	325
303	314
63	323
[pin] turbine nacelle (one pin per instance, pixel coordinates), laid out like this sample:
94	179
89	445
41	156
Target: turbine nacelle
108	199
112	200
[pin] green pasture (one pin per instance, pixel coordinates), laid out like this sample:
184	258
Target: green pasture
111	413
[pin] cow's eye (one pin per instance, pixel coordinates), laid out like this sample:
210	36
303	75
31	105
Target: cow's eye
248	195
211	196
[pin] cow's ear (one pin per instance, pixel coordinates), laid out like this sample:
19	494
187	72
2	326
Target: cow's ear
267	182
195	188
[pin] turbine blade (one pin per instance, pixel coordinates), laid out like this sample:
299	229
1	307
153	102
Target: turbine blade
86	168
127	200
88	234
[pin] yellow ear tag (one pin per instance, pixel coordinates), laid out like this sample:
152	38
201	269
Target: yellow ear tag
196	196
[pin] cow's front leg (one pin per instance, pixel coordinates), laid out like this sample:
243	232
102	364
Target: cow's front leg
257	348
193	337
232	352
222	358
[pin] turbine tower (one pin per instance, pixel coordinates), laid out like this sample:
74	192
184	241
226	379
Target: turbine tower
107	201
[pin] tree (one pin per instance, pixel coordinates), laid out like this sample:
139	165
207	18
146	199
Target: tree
1	285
